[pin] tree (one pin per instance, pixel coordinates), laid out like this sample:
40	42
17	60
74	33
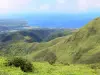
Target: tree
24	64
50	57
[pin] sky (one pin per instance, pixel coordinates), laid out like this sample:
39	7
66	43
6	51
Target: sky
64	6
28	9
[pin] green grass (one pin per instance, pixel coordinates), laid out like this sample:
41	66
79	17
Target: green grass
44	68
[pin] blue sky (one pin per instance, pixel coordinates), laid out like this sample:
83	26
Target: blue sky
61	6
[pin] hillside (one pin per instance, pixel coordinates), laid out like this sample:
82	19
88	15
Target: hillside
47	69
34	35
21	43
81	47
78	53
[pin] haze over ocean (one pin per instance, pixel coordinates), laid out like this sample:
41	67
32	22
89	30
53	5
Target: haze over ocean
51	13
59	20
53	20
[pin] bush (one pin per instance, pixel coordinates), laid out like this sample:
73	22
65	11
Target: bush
50	57
24	64
28	39
95	66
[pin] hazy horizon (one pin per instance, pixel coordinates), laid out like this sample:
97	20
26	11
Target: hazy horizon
52	13
53	20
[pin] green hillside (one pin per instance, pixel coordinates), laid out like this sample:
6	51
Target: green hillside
76	54
25	42
59	33
81	47
46	69
34	35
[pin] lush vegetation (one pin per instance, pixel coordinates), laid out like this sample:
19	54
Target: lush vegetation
24	64
44	68
50	57
34	35
59	33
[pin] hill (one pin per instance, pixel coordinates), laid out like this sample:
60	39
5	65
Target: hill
34	35
77	54
81	47
23	42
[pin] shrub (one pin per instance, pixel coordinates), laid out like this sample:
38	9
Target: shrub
24	64
95	66
67	64
28	39
50	57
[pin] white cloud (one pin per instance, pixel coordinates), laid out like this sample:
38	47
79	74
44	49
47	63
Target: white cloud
82	5
61	5
76	6
85	5
13	5
44	7
70	6
60	1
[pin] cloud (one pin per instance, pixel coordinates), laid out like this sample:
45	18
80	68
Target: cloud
77	6
44	7
13	5
60	1
88	4
69	6
82	5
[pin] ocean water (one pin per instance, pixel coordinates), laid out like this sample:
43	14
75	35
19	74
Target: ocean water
58	20
55	20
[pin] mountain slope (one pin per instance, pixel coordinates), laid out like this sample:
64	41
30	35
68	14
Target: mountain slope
34	35
81	47
24	42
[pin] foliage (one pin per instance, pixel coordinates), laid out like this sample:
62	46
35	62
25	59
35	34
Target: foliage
58	34
33	35
28	39
24	64
47	69
95	66
50	57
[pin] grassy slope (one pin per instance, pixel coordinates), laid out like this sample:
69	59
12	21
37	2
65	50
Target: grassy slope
82	47
47	69
59	33
21	48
